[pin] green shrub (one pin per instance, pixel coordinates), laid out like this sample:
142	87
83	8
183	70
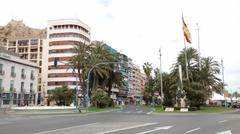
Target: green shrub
100	99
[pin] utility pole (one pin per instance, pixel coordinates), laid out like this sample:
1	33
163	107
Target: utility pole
199	51
222	72
162	95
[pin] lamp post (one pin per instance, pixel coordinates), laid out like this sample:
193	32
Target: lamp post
88	78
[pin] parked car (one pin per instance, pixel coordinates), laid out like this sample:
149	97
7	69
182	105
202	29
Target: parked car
236	105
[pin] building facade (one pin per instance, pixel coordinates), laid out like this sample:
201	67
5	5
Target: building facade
18	80
62	36
137	87
31	50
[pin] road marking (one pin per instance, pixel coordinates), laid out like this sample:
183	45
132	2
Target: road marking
195	129
126	128
225	132
222	121
156	129
62	129
150	112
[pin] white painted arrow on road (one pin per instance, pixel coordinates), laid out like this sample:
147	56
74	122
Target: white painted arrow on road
225	132
156	129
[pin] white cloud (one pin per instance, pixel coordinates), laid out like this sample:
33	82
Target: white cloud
140	27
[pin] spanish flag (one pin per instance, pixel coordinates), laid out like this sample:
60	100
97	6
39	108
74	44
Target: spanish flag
186	32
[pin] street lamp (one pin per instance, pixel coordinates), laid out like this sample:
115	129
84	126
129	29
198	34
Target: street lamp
88	78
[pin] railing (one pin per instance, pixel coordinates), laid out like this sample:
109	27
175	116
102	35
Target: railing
23	90
13	90
2	72
1	89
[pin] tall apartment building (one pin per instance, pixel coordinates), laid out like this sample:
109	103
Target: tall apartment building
137	78
62	36
31	50
126	71
18	83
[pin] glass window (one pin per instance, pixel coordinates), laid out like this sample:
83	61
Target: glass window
22	86
11	85
31	87
12	69
1	67
0	84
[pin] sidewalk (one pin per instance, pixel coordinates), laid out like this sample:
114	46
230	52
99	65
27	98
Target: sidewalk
40	110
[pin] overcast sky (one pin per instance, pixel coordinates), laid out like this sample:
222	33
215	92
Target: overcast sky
139	28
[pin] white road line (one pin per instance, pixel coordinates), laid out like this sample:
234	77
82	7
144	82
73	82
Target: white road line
62	129
126	128
195	129
225	132
222	121
150	112
156	129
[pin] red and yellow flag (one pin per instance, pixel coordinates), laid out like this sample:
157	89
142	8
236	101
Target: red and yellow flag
186	32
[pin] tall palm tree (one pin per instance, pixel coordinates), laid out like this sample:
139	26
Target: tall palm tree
147	68
149	85
78	62
99	54
209	70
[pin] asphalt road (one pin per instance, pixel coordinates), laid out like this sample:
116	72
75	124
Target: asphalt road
129	120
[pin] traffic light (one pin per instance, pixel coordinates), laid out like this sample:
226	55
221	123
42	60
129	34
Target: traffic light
55	62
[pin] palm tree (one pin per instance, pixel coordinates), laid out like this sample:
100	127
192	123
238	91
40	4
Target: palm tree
78	62
99	54
209	70
149	85
202	81
147	68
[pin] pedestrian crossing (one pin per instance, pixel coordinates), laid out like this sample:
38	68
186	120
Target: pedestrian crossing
133	112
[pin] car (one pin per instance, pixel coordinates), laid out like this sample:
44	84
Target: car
236	105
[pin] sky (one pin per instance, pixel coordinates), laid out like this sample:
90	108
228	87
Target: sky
139	28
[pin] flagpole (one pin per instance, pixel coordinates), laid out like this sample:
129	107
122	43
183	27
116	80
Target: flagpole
199	52
161	83
186	63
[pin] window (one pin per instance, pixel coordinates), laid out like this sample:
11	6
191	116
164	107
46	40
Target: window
34	41
31	87
13	74
1	69
22	86
32	75
0	84
12	85
23	74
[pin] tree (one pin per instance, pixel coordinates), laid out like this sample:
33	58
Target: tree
148	91
62	96
100	98
79	62
202	81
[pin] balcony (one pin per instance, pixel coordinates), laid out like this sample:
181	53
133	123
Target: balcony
2	72
23	91
32	91
12	90
1	89
23	76
13	74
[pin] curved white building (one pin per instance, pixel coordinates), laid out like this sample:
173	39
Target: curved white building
62	36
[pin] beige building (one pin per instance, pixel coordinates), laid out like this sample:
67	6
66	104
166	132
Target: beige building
62	36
